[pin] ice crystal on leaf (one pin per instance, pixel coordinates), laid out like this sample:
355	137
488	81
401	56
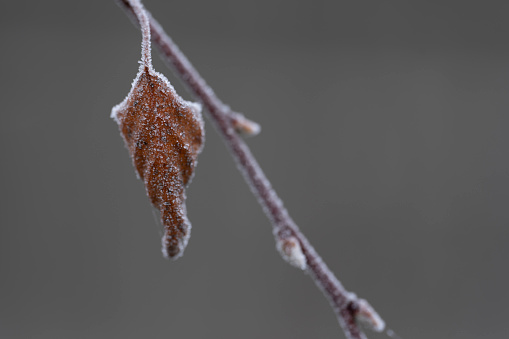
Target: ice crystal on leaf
164	134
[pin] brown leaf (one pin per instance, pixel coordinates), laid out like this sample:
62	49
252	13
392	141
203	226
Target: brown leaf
164	135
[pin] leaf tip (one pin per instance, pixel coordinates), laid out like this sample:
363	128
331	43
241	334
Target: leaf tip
173	248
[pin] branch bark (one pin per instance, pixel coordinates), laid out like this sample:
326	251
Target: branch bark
292	244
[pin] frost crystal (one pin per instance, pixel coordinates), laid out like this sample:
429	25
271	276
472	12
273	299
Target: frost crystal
164	135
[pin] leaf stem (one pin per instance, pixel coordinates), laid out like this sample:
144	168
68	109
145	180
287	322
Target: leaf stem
141	16
346	305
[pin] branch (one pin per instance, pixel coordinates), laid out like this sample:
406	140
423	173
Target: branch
292	244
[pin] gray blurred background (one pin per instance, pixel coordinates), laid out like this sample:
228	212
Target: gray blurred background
384	131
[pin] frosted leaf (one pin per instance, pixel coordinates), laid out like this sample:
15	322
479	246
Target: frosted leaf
164	135
291	251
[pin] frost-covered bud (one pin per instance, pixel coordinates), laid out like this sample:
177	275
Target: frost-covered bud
368	316
245	126
292	252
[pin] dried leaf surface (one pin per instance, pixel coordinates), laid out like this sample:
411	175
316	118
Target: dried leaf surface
164	135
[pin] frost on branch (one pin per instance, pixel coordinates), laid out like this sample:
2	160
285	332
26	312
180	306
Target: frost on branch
164	135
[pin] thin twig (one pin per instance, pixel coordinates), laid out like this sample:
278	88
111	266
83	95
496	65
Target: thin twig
347	307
